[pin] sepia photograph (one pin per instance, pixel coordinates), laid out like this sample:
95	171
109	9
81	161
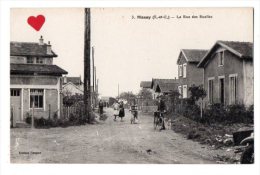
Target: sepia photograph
132	85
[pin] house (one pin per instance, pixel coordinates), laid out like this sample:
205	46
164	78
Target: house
35	81
72	86
188	72
147	85
229	73
163	86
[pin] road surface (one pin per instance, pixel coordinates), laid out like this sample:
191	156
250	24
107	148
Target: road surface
107	142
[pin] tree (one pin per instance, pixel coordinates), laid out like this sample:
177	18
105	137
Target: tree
128	96
172	101
145	94
197	92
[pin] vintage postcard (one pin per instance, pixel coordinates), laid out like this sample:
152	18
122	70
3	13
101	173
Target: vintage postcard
131	85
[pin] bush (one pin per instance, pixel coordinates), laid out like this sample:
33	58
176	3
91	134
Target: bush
73	99
237	113
28	119
42	123
215	113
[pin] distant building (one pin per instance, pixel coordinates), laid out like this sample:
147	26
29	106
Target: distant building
188	72
229	73
148	85
163	86
72	86
35	82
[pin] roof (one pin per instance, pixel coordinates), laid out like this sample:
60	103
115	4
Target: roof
243	50
145	84
193	55
76	87
167	87
29	49
41	69
161	81
74	80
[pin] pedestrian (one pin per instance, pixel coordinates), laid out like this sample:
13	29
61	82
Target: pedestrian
116	110
100	105
162	110
121	110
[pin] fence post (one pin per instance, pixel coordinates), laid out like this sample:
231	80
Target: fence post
12	116
201	109
33	116
49	111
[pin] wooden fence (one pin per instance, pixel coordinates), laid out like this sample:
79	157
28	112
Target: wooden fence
72	110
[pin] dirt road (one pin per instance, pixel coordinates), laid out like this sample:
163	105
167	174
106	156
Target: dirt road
107	142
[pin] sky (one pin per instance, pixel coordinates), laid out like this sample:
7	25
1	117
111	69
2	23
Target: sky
129	49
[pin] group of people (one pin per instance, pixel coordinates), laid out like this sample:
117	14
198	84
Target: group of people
119	110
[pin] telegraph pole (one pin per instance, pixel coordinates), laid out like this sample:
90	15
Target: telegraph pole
87	70
93	79
118	90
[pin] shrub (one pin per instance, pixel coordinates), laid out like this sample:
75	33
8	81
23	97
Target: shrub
237	113
72	117
28	119
215	113
42	123
250	114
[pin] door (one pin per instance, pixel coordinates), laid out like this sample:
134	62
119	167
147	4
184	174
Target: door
221	90
16	105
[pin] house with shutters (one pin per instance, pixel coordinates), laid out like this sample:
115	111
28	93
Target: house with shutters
35	81
188	72
229	73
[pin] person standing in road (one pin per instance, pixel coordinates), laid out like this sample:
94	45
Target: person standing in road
121	110
100	105
162	110
116	109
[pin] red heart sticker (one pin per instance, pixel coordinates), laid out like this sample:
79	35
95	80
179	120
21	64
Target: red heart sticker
36	22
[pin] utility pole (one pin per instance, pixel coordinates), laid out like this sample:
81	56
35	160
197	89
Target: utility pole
118	90
95	81
93	78
87	65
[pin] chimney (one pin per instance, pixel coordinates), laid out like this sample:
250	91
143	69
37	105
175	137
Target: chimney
49	48
41	41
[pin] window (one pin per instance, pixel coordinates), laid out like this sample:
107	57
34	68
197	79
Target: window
30	60
184	70
211	90
185	91
180	91
221	58
232	89
221	90
180	70
15	92
36	98
39	60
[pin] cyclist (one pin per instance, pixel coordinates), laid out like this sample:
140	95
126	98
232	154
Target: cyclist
161	110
